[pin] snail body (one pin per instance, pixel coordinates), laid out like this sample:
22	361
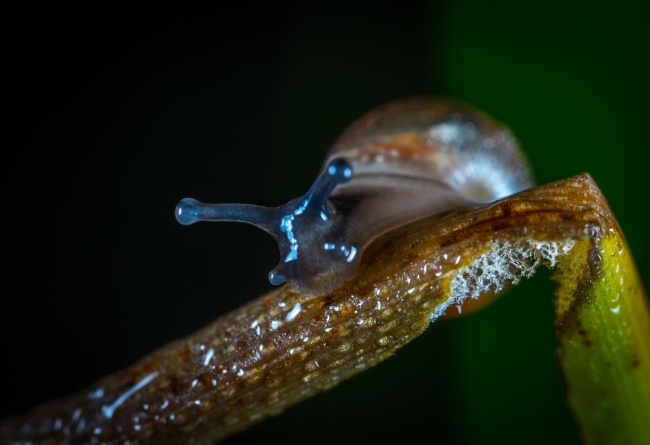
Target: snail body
398	163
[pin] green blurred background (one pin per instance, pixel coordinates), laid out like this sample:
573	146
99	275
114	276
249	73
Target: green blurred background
118	112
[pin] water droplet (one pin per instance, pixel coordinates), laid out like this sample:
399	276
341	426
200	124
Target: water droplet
208	356
108	410
293	313
97	394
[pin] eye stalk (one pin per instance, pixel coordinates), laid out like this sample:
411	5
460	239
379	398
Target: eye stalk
307	229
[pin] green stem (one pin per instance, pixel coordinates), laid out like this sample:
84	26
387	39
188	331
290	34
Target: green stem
603	330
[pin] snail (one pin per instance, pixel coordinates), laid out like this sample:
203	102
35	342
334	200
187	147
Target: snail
400	162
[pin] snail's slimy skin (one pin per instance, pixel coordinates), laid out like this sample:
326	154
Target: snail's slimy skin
307	229
400	162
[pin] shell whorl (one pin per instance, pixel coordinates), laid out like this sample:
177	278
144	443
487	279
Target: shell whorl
441	140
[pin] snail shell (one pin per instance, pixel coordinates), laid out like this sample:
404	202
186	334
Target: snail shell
400	162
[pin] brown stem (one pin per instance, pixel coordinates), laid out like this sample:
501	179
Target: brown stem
284	347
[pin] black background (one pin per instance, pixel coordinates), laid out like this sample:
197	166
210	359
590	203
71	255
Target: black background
116	112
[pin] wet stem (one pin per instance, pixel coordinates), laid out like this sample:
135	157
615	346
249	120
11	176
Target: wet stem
284	347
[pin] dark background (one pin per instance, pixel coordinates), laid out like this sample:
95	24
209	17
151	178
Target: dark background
117	112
